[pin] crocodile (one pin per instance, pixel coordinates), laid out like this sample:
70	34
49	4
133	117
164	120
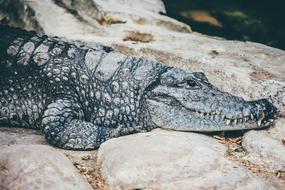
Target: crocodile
79	97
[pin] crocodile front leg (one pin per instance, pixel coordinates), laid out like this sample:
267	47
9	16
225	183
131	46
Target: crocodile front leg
64	126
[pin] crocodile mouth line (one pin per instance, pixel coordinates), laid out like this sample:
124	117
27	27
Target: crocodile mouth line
217	116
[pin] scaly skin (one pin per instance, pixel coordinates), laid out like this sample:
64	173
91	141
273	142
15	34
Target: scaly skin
80	97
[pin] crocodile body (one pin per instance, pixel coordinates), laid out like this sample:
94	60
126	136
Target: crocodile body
80	97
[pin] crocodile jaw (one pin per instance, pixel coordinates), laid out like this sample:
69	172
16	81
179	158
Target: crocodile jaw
169	115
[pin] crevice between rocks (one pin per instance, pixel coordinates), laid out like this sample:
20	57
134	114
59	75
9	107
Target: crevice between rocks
236	153
89	169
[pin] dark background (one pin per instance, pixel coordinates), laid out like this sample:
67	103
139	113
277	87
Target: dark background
245	20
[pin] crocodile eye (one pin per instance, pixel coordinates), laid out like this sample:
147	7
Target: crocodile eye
191	83
188	84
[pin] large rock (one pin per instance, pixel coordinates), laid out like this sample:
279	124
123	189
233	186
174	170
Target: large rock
267	147
173	160
18	136
38	167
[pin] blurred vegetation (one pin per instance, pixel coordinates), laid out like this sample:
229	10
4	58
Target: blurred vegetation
246	20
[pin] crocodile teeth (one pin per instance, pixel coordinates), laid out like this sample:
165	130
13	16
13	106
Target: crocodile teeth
235	121
251	116
223	117
259	122
245	119
228	121
262	116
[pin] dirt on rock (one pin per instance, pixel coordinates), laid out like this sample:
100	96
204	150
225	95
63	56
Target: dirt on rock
86	165
138	37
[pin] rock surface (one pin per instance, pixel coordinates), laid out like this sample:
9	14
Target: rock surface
174	160
38	167
19	136
267	147
162	159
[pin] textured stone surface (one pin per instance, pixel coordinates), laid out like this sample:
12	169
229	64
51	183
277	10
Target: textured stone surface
29	167
19	136
173	160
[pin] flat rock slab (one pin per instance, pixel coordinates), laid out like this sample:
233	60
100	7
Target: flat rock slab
173	160
36	167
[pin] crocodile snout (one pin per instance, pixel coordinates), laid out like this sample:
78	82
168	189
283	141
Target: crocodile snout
264	112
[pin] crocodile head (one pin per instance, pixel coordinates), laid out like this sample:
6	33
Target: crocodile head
186	101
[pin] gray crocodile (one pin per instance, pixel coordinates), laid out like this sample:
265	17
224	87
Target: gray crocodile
80	97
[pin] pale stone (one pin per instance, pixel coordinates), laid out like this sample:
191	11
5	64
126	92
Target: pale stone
16	136
38	167
267	146
173	160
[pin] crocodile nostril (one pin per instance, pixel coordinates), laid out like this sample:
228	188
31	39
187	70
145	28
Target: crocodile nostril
268	107
265	111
